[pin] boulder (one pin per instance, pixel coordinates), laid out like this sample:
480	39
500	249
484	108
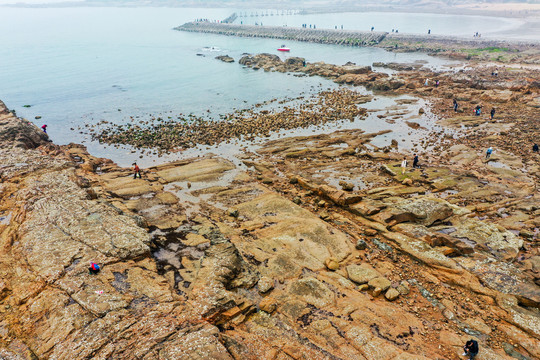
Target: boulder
380	282
392	294
424	211
352	69
347	186
295	61
268	305
332	264
361	274
361	244
265	284
225	58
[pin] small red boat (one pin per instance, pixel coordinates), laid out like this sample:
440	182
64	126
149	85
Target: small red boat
284	48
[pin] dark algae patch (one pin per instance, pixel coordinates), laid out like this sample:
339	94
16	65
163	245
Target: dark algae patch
186	132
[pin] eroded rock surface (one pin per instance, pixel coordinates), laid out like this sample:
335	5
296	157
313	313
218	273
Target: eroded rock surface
205	259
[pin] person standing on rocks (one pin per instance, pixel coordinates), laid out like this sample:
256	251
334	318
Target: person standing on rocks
478	110
535	147
415	162
488	152
471	349
136	171
403	165
455	105
492	114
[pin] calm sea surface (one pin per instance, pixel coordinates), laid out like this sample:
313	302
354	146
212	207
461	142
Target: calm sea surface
439	24
78	66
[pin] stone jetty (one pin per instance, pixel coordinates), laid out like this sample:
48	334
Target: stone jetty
323	36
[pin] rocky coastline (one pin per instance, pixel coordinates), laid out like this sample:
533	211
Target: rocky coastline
314	247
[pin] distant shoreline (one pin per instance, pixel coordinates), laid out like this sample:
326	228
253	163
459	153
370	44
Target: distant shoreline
506	10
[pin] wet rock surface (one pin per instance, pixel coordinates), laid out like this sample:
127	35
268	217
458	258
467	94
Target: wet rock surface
280	257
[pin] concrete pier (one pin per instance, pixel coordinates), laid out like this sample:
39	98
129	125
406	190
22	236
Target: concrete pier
323	36
408	42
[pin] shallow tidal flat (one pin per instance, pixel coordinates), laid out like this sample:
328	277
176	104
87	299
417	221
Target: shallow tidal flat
246	125
345	106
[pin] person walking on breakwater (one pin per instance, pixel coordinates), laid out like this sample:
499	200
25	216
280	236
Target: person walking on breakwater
455	105
44	128
403	165
492	114
489	152
415	162
471	349
136	171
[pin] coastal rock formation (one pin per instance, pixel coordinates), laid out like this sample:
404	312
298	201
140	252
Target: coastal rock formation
267	257
16	133
225	58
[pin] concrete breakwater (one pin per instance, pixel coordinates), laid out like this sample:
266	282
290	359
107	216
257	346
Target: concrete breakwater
324	36
353	37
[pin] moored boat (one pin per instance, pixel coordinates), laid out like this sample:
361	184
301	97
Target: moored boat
284	48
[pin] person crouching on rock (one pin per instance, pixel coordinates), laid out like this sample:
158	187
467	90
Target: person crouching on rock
94	268
44	128
136	171
471	349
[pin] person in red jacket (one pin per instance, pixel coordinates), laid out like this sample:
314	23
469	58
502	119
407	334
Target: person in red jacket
136	171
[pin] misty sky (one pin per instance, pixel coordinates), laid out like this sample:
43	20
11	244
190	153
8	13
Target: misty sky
9	2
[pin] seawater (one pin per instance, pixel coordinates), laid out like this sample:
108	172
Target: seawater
409	23
79	66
